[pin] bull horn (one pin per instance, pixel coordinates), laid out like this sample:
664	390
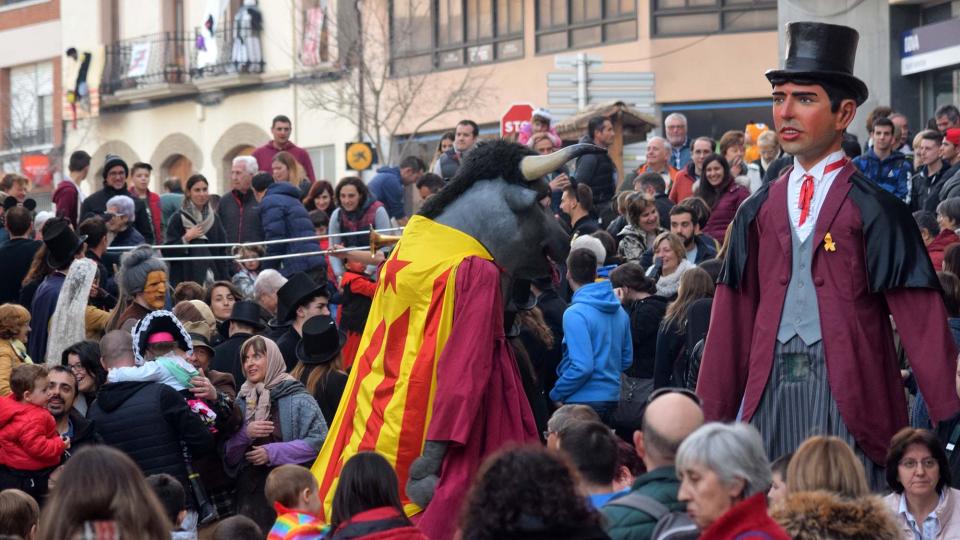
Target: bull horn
534	168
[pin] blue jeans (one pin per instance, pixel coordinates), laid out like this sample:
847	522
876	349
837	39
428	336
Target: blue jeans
605	409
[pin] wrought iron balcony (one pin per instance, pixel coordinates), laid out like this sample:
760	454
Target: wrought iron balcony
146	60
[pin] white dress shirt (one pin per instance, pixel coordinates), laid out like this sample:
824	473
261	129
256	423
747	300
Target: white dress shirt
821	186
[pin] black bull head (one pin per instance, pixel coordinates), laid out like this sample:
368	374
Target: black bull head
495	199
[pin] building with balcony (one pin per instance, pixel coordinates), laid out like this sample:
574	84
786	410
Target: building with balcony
172	91
187	85
30	89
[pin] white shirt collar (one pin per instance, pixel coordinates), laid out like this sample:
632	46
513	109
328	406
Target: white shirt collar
817	170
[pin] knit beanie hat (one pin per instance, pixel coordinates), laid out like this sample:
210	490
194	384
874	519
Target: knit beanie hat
111	161
134	267
953	135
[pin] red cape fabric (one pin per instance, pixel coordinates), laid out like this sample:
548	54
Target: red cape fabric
480	405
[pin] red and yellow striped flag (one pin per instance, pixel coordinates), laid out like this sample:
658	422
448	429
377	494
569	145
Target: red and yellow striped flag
387	404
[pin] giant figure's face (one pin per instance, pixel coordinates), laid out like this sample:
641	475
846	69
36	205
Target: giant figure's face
807	126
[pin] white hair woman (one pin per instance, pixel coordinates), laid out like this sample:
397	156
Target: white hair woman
724	476
119	219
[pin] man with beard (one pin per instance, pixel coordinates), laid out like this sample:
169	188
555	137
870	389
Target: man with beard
700	247
62	392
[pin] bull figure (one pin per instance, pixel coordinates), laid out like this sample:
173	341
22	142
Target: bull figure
434	387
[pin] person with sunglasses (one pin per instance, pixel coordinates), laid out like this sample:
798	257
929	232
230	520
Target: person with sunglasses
671	415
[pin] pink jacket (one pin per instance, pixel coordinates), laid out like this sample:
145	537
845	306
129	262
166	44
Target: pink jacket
949	525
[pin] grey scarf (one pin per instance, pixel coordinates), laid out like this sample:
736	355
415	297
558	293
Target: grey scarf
191	216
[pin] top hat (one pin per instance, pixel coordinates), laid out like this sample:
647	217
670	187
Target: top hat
246	312
62	243
821	52
298	289
321	341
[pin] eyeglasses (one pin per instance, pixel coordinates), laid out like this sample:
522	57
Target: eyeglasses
927	463
670	390
76	368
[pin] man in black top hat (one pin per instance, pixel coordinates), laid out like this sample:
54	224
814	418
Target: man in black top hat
817	262
63	247
299	299
320	350
243	323
115	172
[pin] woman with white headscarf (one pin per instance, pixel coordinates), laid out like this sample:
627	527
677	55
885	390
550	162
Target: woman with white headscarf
282	425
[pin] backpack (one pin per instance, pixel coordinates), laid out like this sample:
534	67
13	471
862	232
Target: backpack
670	525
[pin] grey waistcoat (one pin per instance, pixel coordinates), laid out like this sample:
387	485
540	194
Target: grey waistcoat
801	314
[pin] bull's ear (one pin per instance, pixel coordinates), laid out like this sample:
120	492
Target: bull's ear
519	199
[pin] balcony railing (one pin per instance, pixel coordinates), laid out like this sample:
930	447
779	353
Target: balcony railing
235	50
14	139
171	58
147	60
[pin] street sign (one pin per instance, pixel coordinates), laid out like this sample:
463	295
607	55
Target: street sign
517	114
360	156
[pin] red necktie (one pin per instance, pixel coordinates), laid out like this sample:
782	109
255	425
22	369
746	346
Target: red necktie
806	188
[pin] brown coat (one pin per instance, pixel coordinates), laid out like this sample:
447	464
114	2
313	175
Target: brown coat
821	515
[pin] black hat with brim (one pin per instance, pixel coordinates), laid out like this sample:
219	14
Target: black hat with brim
201	341
61	241
820	52
295	292
247	312
160	321
322	341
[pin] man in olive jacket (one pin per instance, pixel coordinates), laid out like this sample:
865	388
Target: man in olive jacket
667	421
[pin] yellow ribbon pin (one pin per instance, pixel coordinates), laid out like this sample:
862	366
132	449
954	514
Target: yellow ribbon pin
828	244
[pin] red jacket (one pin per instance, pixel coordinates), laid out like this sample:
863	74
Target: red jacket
682	185
939	246
864	373
264	156
29	440
67	200
383	523
747	520
723	211
156	214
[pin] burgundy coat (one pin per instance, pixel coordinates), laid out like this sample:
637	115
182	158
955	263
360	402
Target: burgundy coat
723	211
857	336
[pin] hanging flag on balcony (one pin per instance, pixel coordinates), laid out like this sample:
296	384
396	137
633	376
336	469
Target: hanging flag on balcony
208	51
310	54
139	59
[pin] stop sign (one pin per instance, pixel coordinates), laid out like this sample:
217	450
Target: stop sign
517	114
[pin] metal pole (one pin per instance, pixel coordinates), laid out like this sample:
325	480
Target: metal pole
581	80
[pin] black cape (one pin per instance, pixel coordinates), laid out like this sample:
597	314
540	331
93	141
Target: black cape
896	256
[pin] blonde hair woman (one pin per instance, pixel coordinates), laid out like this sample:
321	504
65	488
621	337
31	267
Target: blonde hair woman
14	327
670	262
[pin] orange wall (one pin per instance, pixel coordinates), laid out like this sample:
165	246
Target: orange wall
16	17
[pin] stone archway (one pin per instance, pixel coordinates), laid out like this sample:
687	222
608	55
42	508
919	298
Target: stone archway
239	140
120	148
169	152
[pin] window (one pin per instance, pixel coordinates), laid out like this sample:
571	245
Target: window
30	106
448	34
324	161
570	24
690	17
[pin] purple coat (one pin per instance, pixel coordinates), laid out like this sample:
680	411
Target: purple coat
723	211
864	373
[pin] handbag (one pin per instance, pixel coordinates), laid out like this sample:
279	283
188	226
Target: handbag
633	400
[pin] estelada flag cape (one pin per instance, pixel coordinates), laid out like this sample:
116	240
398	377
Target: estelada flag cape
388	401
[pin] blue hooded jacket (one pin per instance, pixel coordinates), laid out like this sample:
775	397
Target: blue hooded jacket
596	347
284	216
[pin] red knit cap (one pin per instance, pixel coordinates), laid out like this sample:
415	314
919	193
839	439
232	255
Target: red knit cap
953	135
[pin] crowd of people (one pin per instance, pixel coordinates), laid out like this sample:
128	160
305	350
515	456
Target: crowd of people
156	383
